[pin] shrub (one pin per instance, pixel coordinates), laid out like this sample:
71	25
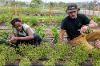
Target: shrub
25	62
55	34
96	57
3	37
79	54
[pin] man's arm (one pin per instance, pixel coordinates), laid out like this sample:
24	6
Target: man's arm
9	39
29	37
61	35
91	25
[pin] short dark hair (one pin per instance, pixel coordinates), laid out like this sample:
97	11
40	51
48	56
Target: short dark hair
15	20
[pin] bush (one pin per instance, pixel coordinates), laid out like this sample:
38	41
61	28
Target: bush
55	34
6	18
33	21
25	62
40	31
79	54
96	57
8	54
3	37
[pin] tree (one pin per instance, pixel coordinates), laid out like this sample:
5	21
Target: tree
35	3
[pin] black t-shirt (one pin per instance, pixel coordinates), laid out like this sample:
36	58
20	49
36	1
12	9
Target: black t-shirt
72	26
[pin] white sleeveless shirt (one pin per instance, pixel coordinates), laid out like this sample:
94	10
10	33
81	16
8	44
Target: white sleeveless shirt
23	32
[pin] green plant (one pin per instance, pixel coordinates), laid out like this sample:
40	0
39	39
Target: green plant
58	19
71	63
25	62
3	37
61	51
96	57
40	52
58	52
96	19
50	62
3	47
24	49
5	18
40	31
96	63
33	54
55	34
10	55
71	56
79	54
25	19
33	21
2	60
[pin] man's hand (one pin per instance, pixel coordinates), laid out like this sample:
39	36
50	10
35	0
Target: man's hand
83	29
13	39
97	44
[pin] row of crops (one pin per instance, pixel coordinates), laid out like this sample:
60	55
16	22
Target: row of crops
34	20
31	20
47	55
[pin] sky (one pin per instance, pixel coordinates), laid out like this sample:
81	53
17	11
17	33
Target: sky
67	1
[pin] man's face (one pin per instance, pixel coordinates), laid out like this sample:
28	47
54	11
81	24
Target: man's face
18	26
72	14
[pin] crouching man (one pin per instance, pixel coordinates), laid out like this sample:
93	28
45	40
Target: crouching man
75	25
23	34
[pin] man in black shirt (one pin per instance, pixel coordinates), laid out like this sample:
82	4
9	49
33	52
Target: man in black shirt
75	24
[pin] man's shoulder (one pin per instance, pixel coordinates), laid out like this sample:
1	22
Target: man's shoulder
25	25
65	19
81	15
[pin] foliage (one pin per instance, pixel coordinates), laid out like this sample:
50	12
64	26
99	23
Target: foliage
55	34
3	37
33	21
2	60
54	53
40	31
96	57
2	56
79	54
8	54
35	3
5	18
50	62
25	62
71	63
59	52
96	63
96	19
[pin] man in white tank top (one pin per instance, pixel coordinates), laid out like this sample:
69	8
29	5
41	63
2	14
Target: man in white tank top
23	33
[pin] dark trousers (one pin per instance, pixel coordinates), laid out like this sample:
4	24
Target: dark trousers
36	41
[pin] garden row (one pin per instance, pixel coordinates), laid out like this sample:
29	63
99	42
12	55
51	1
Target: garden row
31	20
47	55
34	20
